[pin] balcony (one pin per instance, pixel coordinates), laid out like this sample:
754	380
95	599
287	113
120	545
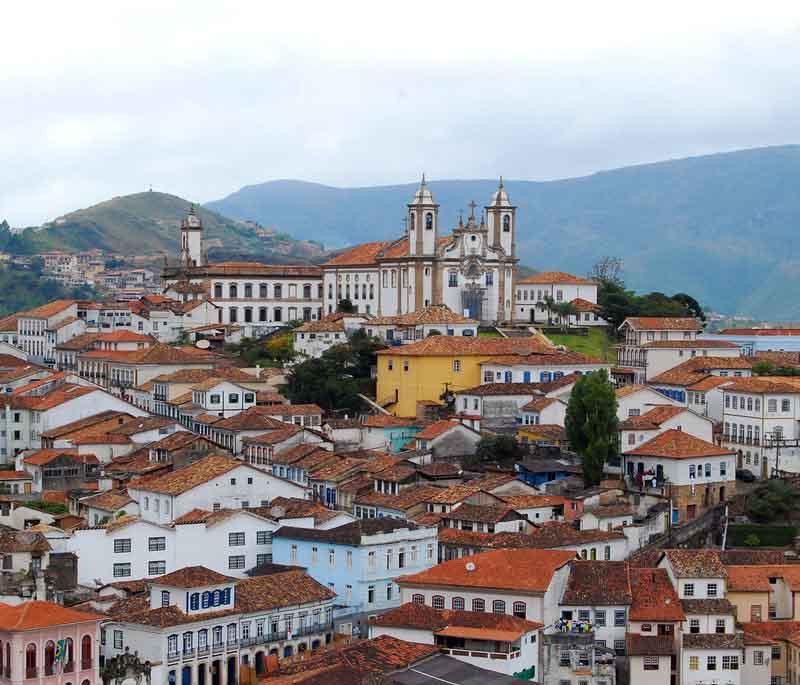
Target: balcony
203	650
504	656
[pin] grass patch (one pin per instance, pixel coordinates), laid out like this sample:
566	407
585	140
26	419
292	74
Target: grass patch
767	536
488	333
595	344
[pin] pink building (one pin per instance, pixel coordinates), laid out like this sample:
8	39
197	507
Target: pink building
48	644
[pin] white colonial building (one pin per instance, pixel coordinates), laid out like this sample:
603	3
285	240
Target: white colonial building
472	270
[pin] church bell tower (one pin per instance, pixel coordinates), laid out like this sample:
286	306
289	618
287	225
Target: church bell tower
423	222
191	239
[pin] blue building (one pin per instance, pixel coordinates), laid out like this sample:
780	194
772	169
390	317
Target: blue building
360	562
537	472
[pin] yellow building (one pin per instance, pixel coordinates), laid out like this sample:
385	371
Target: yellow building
428	369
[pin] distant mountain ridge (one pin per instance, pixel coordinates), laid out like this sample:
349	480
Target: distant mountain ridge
148	224
722	227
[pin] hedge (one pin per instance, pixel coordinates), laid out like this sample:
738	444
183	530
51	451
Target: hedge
768	536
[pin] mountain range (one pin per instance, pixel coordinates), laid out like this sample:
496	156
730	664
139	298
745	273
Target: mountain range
721	227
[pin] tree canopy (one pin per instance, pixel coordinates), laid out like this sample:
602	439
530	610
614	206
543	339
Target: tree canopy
494	448
618	303
334	380
775	500
591	422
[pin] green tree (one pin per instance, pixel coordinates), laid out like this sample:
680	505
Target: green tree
500	448
691	304
346	306
773	501
334	380
591	422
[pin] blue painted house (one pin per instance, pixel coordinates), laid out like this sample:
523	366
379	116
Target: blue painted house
360	562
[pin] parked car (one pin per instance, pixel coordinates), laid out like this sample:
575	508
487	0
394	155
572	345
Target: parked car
745	475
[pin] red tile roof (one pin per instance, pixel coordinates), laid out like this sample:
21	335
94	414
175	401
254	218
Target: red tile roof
690	345
757	578
112	500
663	323
45	456
597	583
15	475
364	254
46	310
56	397
35	614
437	429
652	418
190	476
675	444
653	596
193	576
533	570
558	277
696	563
762	385
446	345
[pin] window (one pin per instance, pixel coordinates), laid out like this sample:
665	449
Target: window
694	663
776	653
692	471
122	570
122	546
651	663
619	647
478	605
293	554
156	568
172	645
452	279
157	544
235	539
694	625
584	615
263	537
236	562
332	557
712	590
456	365
758	658
388	592
371	594
772	406
498	606
520	610
730	663
437	602
262	559
688	590
418	599
647	628
619	617
711	662
600	618
117	639
506	223
720	626
786	405
457	603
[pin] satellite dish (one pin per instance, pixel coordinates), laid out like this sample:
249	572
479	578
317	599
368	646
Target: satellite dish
470	566
202	344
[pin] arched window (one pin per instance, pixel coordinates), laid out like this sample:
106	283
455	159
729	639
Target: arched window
498	606
218	290
86	652
371	291
49	657
30	661
307	292
418	599
520	610
457	603
478	605
584	554
437	602
428	221
233	291
506	223
248	290
69	656
233	314
86	682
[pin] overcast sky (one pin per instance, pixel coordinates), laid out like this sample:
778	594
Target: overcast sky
200	98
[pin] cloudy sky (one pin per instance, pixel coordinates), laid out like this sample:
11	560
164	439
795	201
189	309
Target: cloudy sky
200	98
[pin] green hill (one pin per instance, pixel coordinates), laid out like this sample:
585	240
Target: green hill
147	224
723	227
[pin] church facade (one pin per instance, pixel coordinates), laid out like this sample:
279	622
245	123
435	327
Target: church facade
472	270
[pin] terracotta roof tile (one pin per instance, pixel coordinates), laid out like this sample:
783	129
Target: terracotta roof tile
713	641
511	389
697	368
405	500
35	614
349	533
652	418
695	563
193	576
562	277
597	583
15	475
761	385
533	570
649	645
540	404
690	345
675	444
533	501
46	310
111	500
190	476
386	421
480	513
364	254
254	418
757	578
437	429
663	323
653	597
446	345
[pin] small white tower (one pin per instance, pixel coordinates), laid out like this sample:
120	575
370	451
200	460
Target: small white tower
191	239
423	222
501	218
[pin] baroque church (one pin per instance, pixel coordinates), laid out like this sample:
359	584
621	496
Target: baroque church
472	270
